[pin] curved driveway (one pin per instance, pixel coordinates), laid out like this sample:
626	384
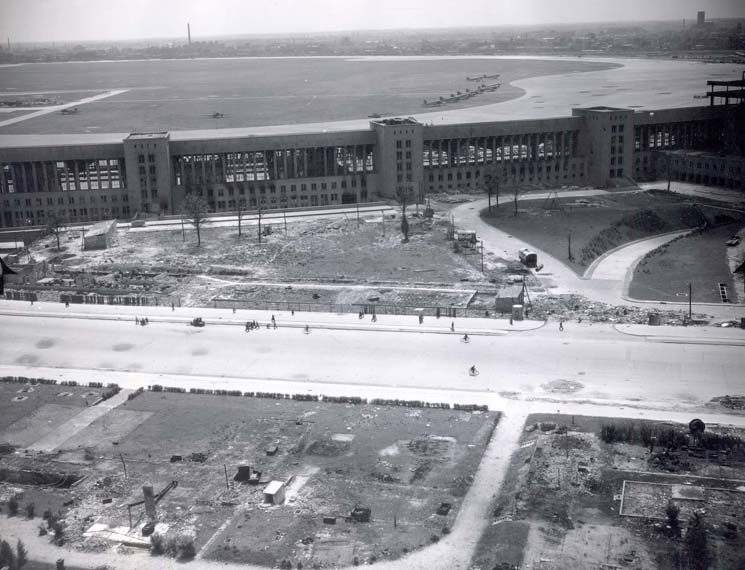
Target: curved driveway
607	281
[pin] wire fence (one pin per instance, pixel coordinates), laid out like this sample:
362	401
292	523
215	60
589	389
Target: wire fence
356	308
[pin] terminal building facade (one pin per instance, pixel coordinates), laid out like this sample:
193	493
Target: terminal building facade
86	178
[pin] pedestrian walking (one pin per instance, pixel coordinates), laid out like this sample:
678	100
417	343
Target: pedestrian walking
375	318
173	308
273	321
510	321
452	326
137	320
275	325
292	312
234	310
561	326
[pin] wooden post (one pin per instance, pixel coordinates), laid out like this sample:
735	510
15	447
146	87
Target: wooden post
227	485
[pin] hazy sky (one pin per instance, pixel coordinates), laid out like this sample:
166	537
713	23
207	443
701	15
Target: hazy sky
70	20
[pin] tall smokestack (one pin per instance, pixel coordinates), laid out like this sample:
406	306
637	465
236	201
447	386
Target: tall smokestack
188	31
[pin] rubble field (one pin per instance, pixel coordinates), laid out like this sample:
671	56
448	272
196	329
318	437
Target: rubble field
598	224
410	466
334	253
586	493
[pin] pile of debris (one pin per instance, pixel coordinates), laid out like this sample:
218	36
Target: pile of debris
731	402
571	307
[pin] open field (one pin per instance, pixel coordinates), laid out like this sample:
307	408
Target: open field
400	462
4	115
23	407
183	94
598	224
699	259
567	486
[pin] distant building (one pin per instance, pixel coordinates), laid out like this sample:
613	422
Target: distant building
701	18
91	177
704	168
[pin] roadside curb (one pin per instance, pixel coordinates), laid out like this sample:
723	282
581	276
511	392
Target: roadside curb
652	337
683	304
285	324
587	275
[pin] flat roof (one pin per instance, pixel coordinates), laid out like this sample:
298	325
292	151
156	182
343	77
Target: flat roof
100	228
148	136
274	487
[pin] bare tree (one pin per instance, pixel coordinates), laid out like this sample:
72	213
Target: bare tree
258	214
55	224
515	196
240	212
194	209
491	183
405	196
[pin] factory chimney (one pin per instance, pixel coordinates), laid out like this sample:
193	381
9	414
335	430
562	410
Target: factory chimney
188	31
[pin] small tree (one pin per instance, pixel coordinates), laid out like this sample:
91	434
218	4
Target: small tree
697	544
491	184
258	215
7	558
30	510
672	512
21	555
405	196
405	227
194	209
515	196
185	547
55	224
12	506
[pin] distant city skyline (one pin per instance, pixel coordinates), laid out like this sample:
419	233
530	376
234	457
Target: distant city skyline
116	20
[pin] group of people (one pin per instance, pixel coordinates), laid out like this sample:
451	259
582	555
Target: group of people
374	317
142	321
252	325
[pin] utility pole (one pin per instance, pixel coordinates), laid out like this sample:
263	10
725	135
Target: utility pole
358	215
569	245
124	465
82	239
227	485
183	233
284	216
482	257
382	219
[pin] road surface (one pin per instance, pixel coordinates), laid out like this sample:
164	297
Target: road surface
607	364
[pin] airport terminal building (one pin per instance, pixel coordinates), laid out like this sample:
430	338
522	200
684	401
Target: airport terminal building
86	178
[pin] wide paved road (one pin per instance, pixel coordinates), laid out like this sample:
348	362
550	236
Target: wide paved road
609	365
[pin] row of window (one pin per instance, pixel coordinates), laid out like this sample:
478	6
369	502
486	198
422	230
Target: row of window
62	200
32	217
